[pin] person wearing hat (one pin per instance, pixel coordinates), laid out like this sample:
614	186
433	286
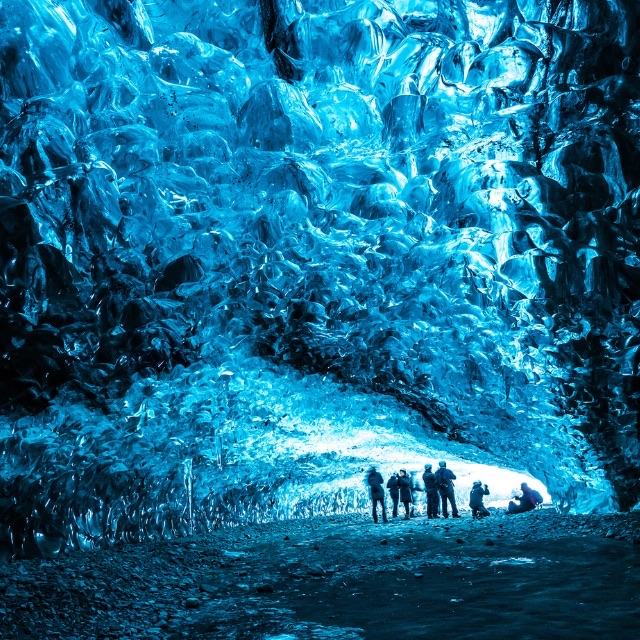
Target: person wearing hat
433	499
404	484
527	500
444	478
478	510
394	492
375	482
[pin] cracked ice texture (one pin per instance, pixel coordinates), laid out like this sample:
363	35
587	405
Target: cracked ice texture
435	201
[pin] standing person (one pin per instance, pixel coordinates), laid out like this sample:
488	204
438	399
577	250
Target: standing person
444	482
478	510
375	481
433	499
527	500
394	492
404	484
416	488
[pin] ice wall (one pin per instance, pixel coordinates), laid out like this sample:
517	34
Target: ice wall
433	201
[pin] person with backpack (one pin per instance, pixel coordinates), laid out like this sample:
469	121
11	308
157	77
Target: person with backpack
394	492
444	478
478	510
528	500
404	484
433	499
375	482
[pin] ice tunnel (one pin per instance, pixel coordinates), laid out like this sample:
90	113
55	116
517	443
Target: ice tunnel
248	247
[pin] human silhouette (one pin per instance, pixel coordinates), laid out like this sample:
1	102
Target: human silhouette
527	500
404	484
444	481
478	510
394	492
375	482
433	499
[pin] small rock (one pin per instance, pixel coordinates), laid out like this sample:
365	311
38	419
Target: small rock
489	542
208	588
610	534
287	538
384	541
192	603
418	575
265	588
316	547
459	540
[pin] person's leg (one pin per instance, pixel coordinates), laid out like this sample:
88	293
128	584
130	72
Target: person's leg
431	511
436	503
395	507
384	511
454	507
513	507
474	512
484	512
406	509
375	510
443	500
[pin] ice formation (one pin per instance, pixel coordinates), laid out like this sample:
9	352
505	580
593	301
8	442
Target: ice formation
249	246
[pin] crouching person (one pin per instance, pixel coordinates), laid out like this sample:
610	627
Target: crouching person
528	500
478	510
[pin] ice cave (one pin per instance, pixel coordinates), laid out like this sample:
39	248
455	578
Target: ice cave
250	248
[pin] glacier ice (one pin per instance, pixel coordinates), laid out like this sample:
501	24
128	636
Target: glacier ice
247	247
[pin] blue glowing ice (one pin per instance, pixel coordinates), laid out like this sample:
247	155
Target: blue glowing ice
249	246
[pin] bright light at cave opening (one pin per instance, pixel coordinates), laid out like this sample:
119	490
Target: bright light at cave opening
503	483
390	451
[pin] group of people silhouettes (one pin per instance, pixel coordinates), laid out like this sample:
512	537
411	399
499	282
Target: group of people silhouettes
404	488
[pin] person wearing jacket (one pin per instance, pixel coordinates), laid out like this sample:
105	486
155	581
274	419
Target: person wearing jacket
375	482
404	484
433	499
478	510
394	492
527	500
444	482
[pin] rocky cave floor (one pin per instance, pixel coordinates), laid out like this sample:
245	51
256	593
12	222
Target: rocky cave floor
535	575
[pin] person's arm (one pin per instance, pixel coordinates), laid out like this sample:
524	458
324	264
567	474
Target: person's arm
486	490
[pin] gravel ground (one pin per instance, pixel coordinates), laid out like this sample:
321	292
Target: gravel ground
535	575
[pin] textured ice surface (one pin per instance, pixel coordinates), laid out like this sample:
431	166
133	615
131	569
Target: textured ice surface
215	215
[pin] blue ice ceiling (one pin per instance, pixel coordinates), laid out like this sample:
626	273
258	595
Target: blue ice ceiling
248	246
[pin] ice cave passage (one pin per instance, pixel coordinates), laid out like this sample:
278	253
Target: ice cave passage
250	247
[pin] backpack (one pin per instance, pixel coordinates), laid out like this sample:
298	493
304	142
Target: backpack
538	495
441	481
